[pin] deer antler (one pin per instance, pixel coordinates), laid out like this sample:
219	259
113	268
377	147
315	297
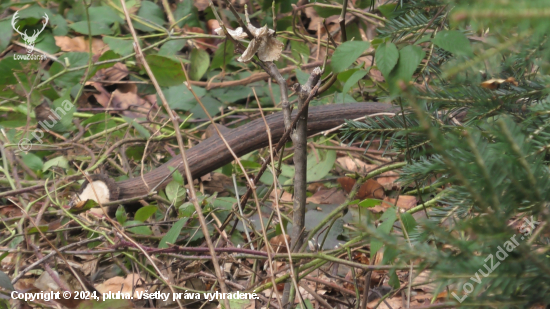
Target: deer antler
35	34
14	21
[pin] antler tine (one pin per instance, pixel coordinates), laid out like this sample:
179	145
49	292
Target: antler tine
45	22
14	21
35	33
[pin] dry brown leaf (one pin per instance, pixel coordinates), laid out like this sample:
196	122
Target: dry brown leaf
376	75
9	211
80	44
370	189
404	202
201	5
278	244
123	285
496	82
218	183
347	183
114	74
8	259
212	25
386	179
46	283
420	279
315	19
287	197
264	44
360	257
331	196
125	97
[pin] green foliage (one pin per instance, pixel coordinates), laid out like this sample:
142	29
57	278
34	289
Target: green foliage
484	148
172	235
346	54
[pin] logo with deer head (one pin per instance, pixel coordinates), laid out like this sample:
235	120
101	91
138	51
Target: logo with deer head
30	40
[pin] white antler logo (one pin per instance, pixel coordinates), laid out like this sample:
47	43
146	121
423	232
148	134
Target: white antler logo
30	40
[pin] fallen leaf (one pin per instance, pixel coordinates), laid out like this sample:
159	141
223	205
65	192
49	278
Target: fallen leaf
331	196
113	74
80	44
386	179
315	19
218	183
404	202
370	189
496	82
201	5
278	244
133	105
285	198
122	285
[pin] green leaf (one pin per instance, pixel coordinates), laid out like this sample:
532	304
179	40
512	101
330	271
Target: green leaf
186	8
123	47
9	64
34	229
47	43
33	161
69	79
170	48
144	213
108	55
408	221
141	129
308	305
6	32
409	58
389	218
388	10
236	303
104	14
186	210
390	253
175	192
353	79
454	42
167	71
326	12
386	58
223	55
172	235
370	203
121	215
394	280
300	51
152	14
141	230
65	110
59	161
346	54
200	61
211	104
318	170
5	282
180	98
301	76
96	28
59	25
176	175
